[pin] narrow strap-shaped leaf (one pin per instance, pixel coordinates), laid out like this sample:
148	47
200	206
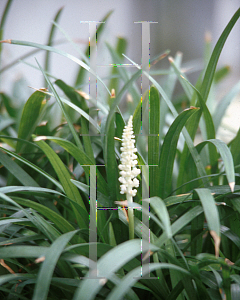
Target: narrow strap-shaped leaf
36	168
29	118
79	110
23	251
129	280
234	147
16	276
58	51
13	189
50	39
209	74
168	88
208	127
86	139
223	105
187	137
82	158
69	121
211	214
187	89
122	73
51	215
207	116
168	152
137	120
161	211
226	157
82	70
120	48
49	264
153	140
111	164
2	24
180	224
16	170
107	265
64	177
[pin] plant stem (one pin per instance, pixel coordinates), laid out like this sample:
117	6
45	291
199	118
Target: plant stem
131	218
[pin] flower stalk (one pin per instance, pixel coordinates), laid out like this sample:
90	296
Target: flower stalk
128	170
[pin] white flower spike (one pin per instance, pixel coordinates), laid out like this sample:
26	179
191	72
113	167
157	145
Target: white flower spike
128	159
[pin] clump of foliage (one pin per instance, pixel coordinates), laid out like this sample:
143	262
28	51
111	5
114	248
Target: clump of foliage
47	174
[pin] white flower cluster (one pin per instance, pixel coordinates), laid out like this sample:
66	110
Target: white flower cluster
128	162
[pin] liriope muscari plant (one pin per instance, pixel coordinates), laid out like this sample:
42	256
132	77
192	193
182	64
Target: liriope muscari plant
128	170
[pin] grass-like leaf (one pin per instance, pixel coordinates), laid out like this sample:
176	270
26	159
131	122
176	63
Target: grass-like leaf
128	281
47	268
226	157
210	71
29	119
168	152
64	177
107	265
211	214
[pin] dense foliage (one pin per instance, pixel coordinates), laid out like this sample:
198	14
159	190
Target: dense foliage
47	172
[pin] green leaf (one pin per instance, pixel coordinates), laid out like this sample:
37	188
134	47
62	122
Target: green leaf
55	50
180	224
211	214
208	130
14	277
60	222
161	211
23	251
82	70
83	159
210	71
168	88
77	102
226	157
129	280
10	106
137	120
111	164
50	39
29	119
187	137
36	168
16	170
223	105
234	147
65	179
120	48
31	189
2	24
153	140
69	121
107	265
47	267
168	152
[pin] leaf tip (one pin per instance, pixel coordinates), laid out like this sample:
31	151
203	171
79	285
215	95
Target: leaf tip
182	77
170	59
217	241
40	138
113	94
191	107
179	53
208	37
6	41
232	185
